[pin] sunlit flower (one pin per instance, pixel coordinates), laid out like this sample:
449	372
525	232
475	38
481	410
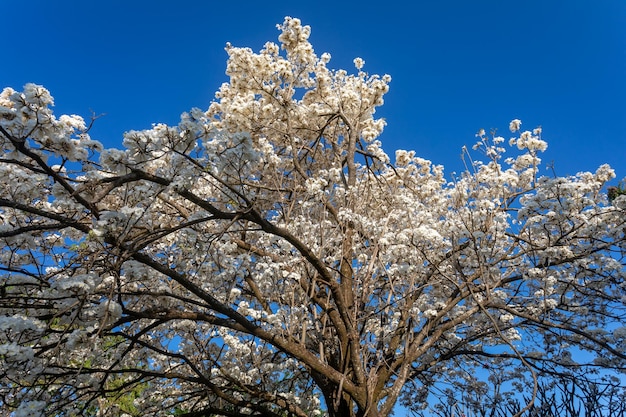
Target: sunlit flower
515	125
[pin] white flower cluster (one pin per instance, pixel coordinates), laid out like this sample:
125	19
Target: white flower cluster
30	409
27	114
19	323
529	141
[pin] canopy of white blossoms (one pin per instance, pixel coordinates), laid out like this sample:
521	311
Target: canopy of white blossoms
266	256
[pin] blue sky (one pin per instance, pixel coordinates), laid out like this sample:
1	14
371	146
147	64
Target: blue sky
457	65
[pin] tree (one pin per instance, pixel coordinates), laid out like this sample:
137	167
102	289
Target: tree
265	257
613	192
563	396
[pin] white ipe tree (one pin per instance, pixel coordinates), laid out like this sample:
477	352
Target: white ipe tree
266	257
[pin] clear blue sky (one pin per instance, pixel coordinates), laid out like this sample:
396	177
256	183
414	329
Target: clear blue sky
457	66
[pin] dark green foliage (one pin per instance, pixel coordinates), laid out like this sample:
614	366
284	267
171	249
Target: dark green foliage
614	192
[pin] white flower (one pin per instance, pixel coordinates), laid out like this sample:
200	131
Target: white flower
430	313
619	333
515	125
403	157
80	283
604	173
506	318
12	352
234	294
30	409
111	310
20	323
358	63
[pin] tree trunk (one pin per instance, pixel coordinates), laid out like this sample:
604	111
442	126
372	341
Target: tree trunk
346	407
339	407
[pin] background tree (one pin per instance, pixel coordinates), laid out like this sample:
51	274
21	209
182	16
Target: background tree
615	191
265	257
561	396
